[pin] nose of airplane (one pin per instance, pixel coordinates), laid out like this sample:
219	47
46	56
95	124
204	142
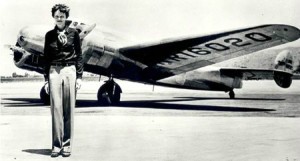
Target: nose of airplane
23	34
32	37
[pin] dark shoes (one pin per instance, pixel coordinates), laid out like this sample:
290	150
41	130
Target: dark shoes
54	154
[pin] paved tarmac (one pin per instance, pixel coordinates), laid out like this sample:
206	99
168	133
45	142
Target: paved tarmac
262	123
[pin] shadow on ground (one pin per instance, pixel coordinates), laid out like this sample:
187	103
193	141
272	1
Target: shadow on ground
23	102
153	104
38	151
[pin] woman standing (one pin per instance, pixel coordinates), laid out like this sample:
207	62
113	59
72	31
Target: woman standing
63	71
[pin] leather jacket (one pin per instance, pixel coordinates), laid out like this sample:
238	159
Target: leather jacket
69	53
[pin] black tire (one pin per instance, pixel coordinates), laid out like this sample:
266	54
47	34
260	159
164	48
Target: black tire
109	94
106	95
44	96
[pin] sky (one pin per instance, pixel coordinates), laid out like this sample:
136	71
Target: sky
145	20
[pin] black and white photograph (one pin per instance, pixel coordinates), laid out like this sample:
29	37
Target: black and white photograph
133	80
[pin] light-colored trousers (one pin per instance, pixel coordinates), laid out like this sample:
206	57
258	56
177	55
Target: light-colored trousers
62	97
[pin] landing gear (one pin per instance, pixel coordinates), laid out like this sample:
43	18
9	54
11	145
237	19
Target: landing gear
45	97
231	94
109	93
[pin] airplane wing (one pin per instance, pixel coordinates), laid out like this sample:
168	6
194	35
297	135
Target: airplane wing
296	76
181	55
252	74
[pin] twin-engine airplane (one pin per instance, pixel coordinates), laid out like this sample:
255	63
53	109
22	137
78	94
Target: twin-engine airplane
180	63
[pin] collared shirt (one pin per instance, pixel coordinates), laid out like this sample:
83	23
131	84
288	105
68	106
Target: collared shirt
56	52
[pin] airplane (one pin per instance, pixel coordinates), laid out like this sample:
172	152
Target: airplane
185	62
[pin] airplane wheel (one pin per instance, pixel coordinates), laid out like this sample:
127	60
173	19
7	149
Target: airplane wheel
44	96
109	94
231	94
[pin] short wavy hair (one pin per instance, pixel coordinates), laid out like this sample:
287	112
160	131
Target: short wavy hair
62	8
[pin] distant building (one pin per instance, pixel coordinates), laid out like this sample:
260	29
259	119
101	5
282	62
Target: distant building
15	75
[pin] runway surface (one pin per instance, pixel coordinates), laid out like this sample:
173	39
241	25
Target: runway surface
262	123
255	99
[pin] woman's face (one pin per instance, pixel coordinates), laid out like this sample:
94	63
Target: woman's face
60	19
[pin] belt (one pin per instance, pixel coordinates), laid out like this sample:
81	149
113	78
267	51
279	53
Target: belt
62	64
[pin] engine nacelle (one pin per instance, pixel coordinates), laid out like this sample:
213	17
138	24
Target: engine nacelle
25	60
283	80
284	61
284	66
